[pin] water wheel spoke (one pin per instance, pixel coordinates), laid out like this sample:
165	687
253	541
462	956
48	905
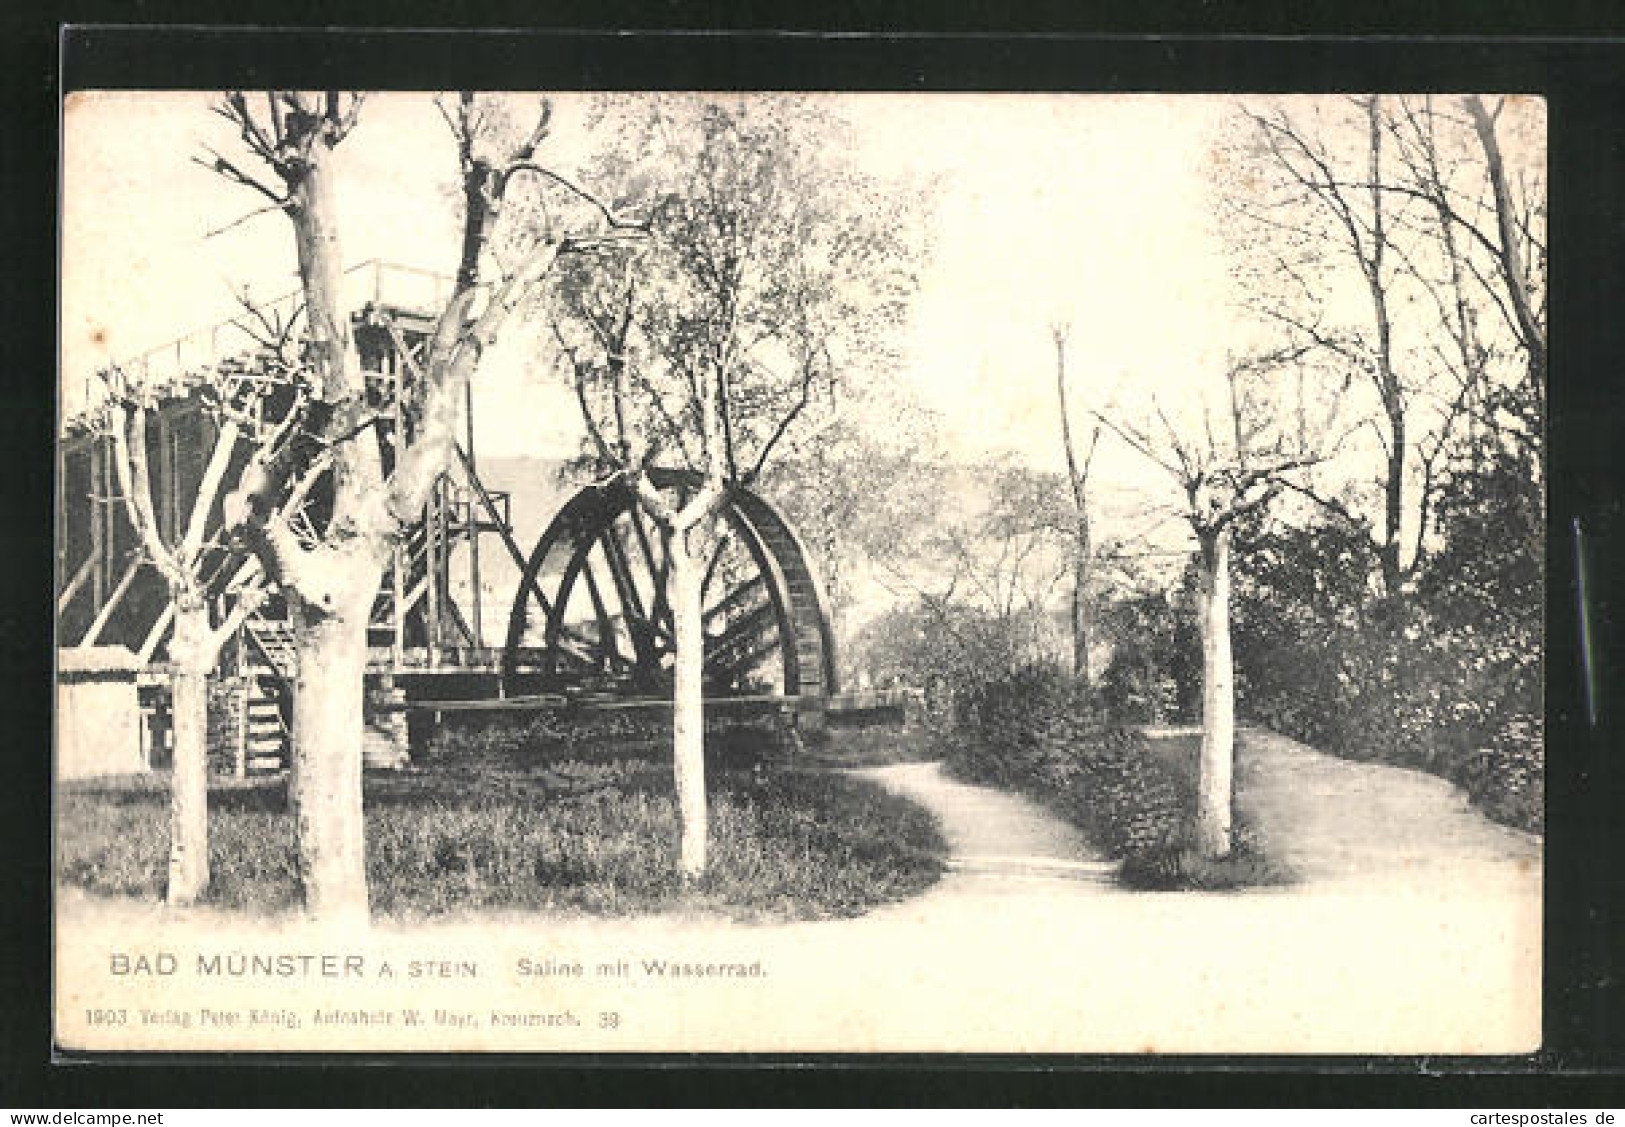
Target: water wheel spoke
608	640
660	606
757	598
632	612
742	631
712	564
730	669
737	597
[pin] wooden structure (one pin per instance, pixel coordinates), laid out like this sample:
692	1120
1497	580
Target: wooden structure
586	618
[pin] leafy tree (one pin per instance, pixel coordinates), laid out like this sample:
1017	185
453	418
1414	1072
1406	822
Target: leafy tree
1400	242
867	495
1152	676
1300	589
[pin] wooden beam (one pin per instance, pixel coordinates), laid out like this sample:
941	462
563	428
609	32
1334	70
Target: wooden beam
431	571
713	563
455	614
632	612
466	459
98	526
488	503
402	552
397	595
490	506
780	699
66	597
473	526
660	611
550	701
156	634
745	630
415	595
497	704
166	506
737	596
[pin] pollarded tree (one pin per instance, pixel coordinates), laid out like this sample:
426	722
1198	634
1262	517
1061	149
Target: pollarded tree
330	584
183	559
771	273
205	579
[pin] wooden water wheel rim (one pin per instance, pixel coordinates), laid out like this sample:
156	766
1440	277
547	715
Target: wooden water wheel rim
784	597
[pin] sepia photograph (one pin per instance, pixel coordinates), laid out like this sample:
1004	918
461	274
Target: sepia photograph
759	572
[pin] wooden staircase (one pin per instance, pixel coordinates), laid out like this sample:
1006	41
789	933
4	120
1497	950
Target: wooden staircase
268	741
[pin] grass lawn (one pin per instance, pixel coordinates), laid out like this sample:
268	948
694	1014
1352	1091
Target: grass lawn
593	837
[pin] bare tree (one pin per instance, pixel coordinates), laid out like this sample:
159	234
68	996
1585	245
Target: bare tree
1519	253
1390	206
330	584
1077	475
196	642
770	275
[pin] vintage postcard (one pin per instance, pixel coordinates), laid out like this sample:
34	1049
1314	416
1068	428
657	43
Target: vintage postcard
684	572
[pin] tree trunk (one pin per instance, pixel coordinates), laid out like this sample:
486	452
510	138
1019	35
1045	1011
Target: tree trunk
684	580
1393	573
1080	606
1531	329
1213	787
189	777
324	788
1078	478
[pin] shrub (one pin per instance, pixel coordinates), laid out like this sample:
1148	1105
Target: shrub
1412	691
1180	866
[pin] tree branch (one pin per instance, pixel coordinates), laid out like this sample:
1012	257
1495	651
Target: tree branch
130	465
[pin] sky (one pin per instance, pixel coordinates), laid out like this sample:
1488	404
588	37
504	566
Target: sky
1089	210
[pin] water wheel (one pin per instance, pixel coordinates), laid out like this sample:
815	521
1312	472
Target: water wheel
591	609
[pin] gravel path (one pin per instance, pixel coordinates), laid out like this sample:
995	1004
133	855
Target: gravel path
1337	821
992	834
1334	822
